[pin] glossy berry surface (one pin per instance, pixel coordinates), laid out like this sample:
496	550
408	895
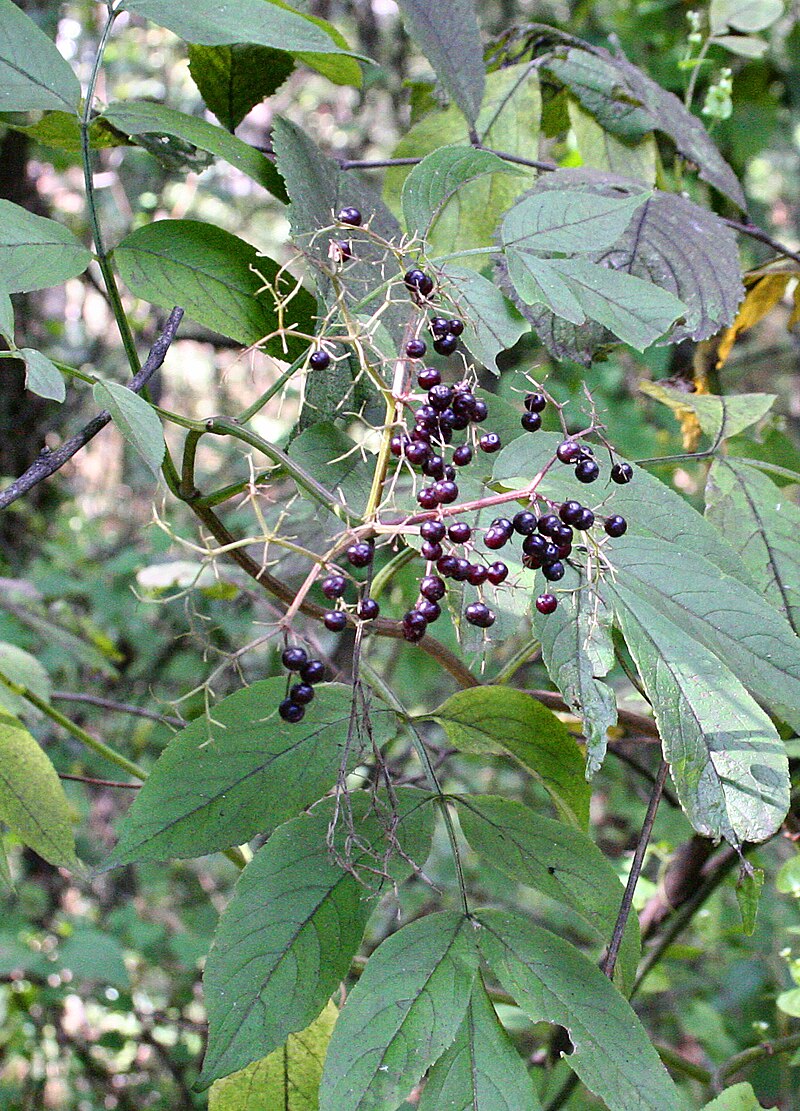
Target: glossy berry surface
553	571
548	523
461	570
427	497
432	588
535	402
568	452
334	586
431	551
319	360
438	325
360	554
534	545
503	524
291	711
495	538
439	397
334	621
479	614
585	519
350	215
459	532
368	609
490	443
446	491
293	658
302	693
531	422
429	610
432	530
480	410
416	348
587	470
414	625
621	473
462	455
446	344
497	573
429	376
414	278
546	603
525	522
616	525
570	511
455	327
446	565
477	574
416	452
313	671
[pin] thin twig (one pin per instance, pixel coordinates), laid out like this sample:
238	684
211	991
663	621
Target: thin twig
118	707
48	462
99	782
755	232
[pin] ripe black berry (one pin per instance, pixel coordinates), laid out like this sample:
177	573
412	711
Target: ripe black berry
291	711
319	360
568	452
479	614
429	610
553	571
495	538
427	497
480	410
360	554
497	573
439	326
489	442
455	327
368	609
616	525
586	470
446	344
342	248
585	520
396	446
562	534
432	530
621	473
313	671
302	693
458	421
461	570
335	620
421	434
446	565
334	586
293	658
439	397
414	625
462	455
546	603
431	551
446	491
433	466
548	523
429	376
349	215
525	522
477	574
459	532
426	416
414	278
535	402
570	511
503	524
550	553
416	348
416	452
531	422
534	545
432	588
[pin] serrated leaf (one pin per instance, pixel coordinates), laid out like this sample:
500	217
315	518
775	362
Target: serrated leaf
242	771
33	74
32	800
748	896
718	416
136	419
569	221
600	150
629	103
763	524
578	652
481	1069
552	981
501	720
726	758
41	377
232	79
24	669
762	296
432	183
294	924
743	15
556	859
740	1097
216	277
449	37
286	1080
143	117
491	322
402	1014
36	253
6	317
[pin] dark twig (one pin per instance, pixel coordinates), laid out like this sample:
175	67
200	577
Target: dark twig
49	462
118	707
753	231
99	782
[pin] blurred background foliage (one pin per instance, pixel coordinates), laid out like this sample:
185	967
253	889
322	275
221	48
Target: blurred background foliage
100	1005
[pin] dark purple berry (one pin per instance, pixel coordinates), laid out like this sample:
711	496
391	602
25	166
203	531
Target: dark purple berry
546	603
361	554
334	586
432	530
414	625
531	422
568	452
319	360
459	532
477	574
563	550
480	411
550	552
426	416
464	404
350	215
446	344
302	693
396	446
562	534
616	525
432	588
293	658
497	573
438	325
570	511
553	571
445	430
462	455
416	348
495	538
439	397
455	327
489	442
535	402
548	523
414	278
525	522
449	472
416	452
621	473
532	562
313	671
446	491
461	570
503	524
446	565
291	711
433	466
586	470
458	421
427	497
431	551
335	620
368	609
429	376
343	248
429	610
585	520
479	614
534	545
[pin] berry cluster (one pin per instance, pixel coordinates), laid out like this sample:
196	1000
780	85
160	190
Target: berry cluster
360	554
300	694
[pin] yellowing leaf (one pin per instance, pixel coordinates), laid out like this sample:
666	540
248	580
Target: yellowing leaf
761	298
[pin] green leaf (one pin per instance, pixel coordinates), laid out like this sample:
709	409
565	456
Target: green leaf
432	183
726	758
762	524
787	881
136	419
503	720
718	416
286	1080
36	253
143	117
723	614
294	924
552	981
450	38
41	376
215	276
22	668
241	771
745	46
232	79
789	1002
33	74
577	651
556	859
62	131
481	1069
402	1014
6	317
740	1097
743	15
94	956
6	879
332	457
600	150
32	800
568	221
748	896
492	323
